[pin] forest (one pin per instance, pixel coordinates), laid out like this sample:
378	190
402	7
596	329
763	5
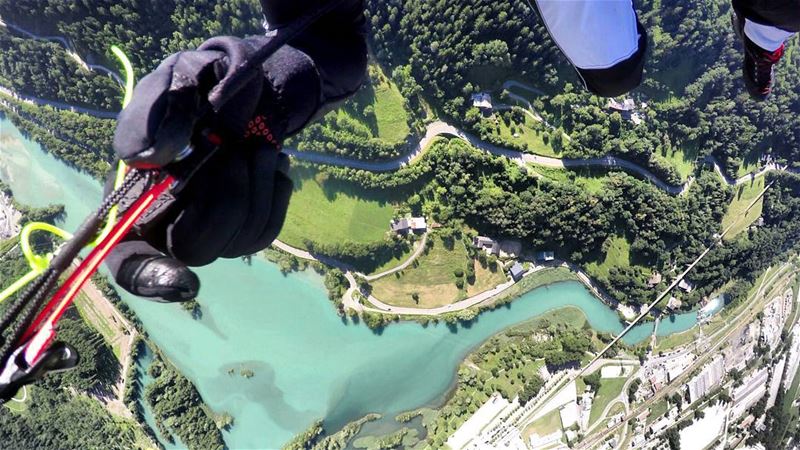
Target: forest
44	69
699	106
179	409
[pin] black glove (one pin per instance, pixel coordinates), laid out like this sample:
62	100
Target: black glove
235	204
185	89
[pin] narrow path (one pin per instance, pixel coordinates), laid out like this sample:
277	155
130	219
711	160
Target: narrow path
420	247
477	299
69	47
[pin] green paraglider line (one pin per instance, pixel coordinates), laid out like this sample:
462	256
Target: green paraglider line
39	263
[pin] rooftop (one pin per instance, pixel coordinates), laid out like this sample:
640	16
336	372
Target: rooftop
517	270
482	100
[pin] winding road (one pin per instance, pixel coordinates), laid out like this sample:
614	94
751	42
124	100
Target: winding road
433	130
382	307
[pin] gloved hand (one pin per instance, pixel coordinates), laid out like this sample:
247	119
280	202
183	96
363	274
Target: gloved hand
186	89
235	204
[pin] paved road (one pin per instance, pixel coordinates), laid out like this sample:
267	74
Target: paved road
441	128
58	105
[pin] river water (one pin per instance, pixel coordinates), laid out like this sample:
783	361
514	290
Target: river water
308	363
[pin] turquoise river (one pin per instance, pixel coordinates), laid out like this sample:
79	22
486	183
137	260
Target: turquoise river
308	362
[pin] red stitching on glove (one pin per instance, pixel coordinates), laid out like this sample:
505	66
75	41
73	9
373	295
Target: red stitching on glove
258	127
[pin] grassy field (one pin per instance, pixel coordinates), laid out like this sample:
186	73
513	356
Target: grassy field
433	279
658	409
571	316
543	426
390	113
380	108
20	407
676	340
750	164
682	160
744	195
334	212
618	255
530	134
592	180
610	388
392	263
524	93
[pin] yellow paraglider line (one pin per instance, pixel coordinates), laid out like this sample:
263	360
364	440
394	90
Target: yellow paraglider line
39	263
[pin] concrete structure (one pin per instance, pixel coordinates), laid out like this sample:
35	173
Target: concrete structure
674	303
409	224
775	381
570	413
9	217
794	357
775	315
706	380
516	271
487	244
660	425
627	311
705	431
676	366
507	248
626	109
749	393
545	441
686	286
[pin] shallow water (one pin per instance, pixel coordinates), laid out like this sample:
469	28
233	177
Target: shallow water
308	362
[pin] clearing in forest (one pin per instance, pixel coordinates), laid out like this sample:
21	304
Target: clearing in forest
329	211
743	196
